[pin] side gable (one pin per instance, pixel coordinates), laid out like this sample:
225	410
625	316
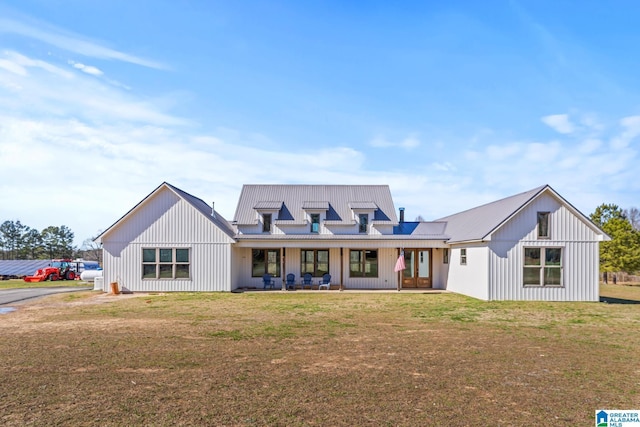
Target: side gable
157	203
480	223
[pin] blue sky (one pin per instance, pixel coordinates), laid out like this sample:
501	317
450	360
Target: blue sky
452	104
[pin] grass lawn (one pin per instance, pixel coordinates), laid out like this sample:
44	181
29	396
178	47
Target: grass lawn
19	283
330	359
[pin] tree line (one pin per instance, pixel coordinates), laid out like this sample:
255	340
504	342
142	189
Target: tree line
622	252
19	241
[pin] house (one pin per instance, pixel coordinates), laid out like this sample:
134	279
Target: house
531	246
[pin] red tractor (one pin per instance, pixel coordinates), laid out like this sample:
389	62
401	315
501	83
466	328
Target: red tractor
58	269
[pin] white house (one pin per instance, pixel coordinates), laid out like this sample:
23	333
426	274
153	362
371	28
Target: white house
531	246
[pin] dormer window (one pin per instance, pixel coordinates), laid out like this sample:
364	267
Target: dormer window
315	223
543	225
363	221
266	223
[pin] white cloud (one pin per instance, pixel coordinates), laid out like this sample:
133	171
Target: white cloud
87	68
560	123
409	142
631	126
71	42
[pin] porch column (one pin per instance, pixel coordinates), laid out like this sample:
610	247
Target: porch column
399	278
341	269
283	269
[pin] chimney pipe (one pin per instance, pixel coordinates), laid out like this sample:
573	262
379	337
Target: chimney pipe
401	214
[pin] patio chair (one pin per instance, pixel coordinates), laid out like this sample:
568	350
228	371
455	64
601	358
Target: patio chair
291	281
325	282
306	281
268	281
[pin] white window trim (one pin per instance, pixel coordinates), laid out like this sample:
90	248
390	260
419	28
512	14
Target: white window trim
542	266
174	262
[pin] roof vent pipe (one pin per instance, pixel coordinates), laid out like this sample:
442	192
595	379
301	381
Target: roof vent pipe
401	214
213	211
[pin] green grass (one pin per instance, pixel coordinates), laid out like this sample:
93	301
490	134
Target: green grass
19	283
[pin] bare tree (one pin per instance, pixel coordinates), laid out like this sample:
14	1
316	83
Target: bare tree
91	251
633	216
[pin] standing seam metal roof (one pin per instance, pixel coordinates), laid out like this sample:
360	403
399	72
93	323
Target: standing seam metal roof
295	197
478	222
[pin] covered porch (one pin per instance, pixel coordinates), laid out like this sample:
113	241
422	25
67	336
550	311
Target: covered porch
351	265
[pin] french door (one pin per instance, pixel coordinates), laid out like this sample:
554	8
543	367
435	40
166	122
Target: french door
417	273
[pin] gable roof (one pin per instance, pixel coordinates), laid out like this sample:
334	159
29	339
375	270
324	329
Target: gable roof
479	223
337	199
197	203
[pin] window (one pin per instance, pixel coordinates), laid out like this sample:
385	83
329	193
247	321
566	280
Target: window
363	263
165	263
314	261
266	223
542	267
543	225
265	261
463	257
315	223
445	256
363	220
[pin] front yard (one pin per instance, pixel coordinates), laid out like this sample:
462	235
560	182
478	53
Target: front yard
288	359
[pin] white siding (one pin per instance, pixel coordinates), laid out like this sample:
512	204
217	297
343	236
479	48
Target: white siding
387	278
470	279
166	220
580	255
440	269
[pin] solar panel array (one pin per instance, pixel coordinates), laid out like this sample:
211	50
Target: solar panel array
21	267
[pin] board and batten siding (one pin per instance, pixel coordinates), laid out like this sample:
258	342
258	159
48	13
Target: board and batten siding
167	221
387	278
580	253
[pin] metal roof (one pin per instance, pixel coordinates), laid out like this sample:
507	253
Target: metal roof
479	222
339	237
268	205
337	197
422	230
363	205
315	205
22	267
206	210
